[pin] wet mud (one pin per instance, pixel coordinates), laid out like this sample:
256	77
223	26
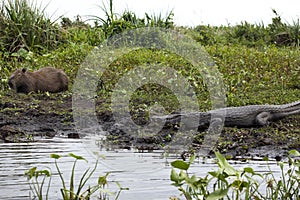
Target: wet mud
24	118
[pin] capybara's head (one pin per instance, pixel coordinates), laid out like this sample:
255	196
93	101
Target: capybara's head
17	80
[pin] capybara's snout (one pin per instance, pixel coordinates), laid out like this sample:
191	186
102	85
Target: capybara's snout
10	84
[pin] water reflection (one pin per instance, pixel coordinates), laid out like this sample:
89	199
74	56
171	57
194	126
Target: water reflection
145	174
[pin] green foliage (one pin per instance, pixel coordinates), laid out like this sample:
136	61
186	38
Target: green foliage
68	193
79	32
24	25
160	21
254	68
257	75
251	35
113	24
229	183
36	185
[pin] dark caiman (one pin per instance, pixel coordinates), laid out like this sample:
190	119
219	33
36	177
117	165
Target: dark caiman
244	116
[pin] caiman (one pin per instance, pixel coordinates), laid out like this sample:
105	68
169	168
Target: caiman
244	116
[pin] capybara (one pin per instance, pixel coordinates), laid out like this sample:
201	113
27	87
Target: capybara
46	79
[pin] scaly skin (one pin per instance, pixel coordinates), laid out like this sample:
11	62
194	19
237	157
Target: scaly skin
257	115
244	116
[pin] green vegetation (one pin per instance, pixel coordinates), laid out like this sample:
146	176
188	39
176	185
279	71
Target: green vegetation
247	55
257	68
224	183
38	178
259	63
229	183
25	26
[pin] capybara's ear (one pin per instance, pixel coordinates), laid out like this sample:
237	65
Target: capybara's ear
24	70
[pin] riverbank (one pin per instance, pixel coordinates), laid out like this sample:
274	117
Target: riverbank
26	117
255	64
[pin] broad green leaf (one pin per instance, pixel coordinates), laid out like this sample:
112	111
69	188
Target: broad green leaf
214	174
225	165
294	153
249	170
179	164
77	157
217	194
31	172
174	176
44	172
55	156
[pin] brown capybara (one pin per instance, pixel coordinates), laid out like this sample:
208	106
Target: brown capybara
47	79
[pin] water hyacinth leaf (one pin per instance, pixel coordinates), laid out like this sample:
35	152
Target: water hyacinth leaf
217	194
77	157
31	172
183	175
225	165
174	176
55	156
240	185
214	174
44	172
178	164
102	180
294	153
249	170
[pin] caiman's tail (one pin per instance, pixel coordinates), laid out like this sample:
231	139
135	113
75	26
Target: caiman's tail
286	110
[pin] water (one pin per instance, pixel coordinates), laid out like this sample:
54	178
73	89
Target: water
145	174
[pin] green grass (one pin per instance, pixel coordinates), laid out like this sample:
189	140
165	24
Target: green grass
271	73
258	75
245	54
256	69
24	25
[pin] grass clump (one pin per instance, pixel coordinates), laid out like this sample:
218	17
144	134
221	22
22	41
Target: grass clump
25	26
113	23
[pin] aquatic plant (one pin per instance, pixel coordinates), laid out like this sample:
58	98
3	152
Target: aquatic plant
229	183
38	178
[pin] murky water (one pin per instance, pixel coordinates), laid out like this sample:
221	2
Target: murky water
145	174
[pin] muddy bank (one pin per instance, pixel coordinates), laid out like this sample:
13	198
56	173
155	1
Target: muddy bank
23	118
